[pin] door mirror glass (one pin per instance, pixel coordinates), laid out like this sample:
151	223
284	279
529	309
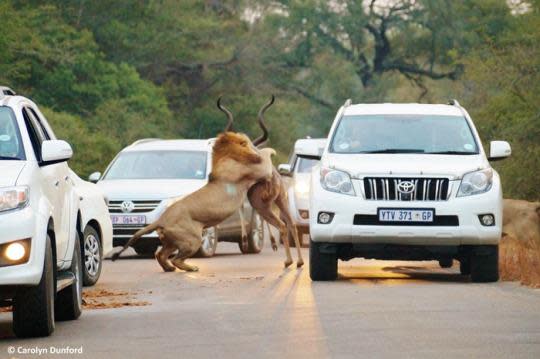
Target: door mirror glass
284	169
94	177
499	150
55	151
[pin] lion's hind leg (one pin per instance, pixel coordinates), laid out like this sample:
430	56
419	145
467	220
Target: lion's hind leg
162	257
188	244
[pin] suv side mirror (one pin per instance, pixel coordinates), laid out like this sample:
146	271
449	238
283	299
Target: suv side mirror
499	150
284	169
94	177
55	151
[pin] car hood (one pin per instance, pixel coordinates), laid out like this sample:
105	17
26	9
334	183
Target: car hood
362	165
10	171
148	189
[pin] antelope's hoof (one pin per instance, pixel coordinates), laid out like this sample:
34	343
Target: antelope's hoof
274	247
169	269
287	263
299	263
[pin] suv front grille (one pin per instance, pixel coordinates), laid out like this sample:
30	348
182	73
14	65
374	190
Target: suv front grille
141	206
425	189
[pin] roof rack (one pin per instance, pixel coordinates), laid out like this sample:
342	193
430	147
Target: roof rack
347	103
144	140
454	102
6	91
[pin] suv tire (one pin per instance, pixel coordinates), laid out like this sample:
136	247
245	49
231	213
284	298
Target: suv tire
92	255
209	243
256	234
485	264
33	307
322	266
465	265
68	304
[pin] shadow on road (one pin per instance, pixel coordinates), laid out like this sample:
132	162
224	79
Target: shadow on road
402	273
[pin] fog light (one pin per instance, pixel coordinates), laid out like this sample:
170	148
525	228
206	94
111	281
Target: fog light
304	214
325	217
487	220
15	251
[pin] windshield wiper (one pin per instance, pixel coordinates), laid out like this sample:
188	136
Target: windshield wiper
396	150
9	158
451	153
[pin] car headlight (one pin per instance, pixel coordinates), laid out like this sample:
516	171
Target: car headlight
13	197
337	181
301	187
476	182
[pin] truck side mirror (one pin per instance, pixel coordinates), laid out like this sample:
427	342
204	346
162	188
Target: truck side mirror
499	150
94	177
284	169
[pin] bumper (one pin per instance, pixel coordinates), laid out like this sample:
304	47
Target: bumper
18	225
296	204
469	231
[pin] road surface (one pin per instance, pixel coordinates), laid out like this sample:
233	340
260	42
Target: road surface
247	306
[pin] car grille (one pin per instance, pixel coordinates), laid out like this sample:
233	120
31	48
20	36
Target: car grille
425	189
141	206
123	231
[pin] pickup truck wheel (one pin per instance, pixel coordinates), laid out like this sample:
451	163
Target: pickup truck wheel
209	243
256	235
68	304
322	266
33	307
92	253
465	266
485	264
446	262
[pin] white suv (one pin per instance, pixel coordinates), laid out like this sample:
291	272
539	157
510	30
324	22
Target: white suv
306	154
151	174
406	181
41	270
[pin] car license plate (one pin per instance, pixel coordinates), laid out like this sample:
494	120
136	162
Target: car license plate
405	215
128	219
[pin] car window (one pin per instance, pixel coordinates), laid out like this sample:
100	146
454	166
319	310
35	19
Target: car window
434	134
158	165
304	165
34	131
11	146
40	122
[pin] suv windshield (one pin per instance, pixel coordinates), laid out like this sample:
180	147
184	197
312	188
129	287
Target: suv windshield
11	147
159	165
430	134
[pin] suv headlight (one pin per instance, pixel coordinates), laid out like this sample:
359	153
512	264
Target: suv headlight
476	182
337	181
13	197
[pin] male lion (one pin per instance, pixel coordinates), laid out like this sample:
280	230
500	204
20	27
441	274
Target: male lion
236	166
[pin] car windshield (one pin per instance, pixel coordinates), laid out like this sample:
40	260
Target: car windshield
304	165
430	134
159	165
11	147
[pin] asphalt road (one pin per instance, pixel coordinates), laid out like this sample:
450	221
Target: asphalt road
247	306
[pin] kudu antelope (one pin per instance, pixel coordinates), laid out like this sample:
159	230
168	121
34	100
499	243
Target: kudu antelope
236	166
266	193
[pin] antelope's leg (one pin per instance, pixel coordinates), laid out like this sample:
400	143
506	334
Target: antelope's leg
274	220
282	204
272	238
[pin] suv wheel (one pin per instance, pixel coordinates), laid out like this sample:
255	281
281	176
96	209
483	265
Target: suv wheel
33	307
209	243
465	265
68	304
322	266
92	253
485	264
256	234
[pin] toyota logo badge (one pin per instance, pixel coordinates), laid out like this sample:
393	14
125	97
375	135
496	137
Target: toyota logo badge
405	187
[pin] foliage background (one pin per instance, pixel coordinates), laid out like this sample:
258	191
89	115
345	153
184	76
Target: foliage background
111	71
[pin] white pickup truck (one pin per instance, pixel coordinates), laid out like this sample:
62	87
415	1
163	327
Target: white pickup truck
410	182
45	210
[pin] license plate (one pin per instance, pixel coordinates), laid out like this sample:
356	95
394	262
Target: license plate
405	215
128	219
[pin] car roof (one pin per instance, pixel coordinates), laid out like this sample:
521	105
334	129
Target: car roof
310	146
169	145
403	109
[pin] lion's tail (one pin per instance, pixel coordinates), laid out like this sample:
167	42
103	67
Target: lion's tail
141	232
